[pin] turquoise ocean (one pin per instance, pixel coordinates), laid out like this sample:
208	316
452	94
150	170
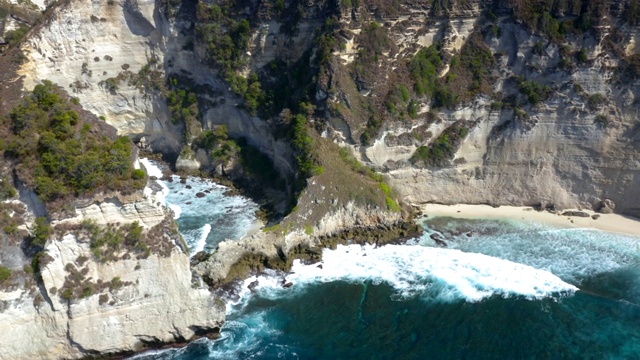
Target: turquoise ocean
500	289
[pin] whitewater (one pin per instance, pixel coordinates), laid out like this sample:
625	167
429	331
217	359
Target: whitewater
500	289
232	217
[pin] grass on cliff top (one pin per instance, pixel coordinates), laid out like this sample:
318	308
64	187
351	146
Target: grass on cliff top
344	180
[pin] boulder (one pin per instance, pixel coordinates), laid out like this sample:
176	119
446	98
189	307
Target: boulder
606	206
575	213
438	239
544	205
253	285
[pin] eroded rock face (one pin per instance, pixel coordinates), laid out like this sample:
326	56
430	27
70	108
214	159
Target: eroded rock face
156	303
87	44
273	245
86	306
564	150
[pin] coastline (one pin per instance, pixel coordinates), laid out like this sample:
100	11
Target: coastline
613	223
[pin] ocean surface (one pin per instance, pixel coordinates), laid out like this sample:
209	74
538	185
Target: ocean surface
500	289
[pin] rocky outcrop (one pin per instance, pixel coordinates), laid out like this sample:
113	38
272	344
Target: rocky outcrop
84	306
156	304
278	248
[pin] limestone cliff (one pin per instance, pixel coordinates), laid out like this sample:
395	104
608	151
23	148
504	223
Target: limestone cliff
84	44
81	306
572	144
475	101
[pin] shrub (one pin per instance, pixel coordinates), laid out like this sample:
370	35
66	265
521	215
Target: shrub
424	69
5	273
42	232
595	101
58	152
138	174
582	56
443	148
534	91
603	121
13	37
303	144
7	191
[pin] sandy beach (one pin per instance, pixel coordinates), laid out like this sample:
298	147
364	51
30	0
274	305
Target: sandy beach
606	222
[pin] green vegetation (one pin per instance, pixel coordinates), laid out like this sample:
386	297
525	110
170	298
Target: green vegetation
308	229
534	91
13	37
358	167
221	148
374	41
397	100
60	154
582	56
442	149
603	121
5	273
226	40
110	84
106	243
42	232
468	74
76	285
557	19
472	69
392	204
10	219
7	191
424	69
632	12
596	101
183	106
372	129
303	145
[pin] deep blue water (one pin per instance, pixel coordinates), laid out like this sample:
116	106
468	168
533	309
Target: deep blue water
499	290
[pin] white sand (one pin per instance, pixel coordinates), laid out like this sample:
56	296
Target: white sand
607	222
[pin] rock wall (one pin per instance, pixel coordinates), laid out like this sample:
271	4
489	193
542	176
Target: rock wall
563	150
126	304
84	43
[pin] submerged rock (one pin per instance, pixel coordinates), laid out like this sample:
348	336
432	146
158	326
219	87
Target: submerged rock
438	239
253	285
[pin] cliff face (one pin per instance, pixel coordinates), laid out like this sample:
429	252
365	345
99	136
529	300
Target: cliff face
83	44
477	101
82	306
573	145
574	148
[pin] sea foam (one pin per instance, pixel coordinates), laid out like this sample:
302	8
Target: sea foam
571	254
432	273
207	219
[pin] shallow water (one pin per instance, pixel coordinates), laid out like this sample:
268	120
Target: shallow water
499	290
206	221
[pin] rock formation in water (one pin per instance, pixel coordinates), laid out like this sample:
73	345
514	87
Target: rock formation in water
337	115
